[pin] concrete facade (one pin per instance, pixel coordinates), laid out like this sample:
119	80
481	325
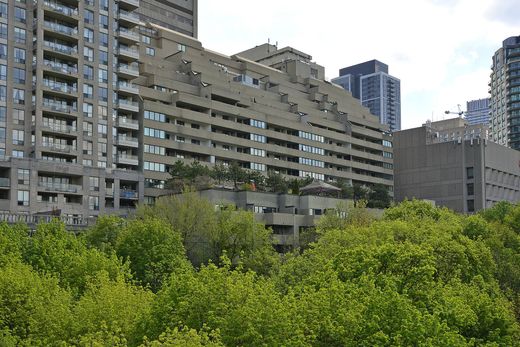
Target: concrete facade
376	89
465	173
204	106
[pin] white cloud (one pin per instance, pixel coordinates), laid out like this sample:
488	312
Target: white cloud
437	48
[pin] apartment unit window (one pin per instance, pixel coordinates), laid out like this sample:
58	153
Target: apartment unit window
88	129
103	5
87	162
3	51
24	176
311	162
103	57
3	72
149	200
19	14
154	149
150	51
387	143
312	149
387	154
257	152
315	175
88	35
469	173
88	54
23	198
102	149
470	188
3	93
258	138
93	203
154	133
102	76
17	154
103	39
88	72
88	91
18	75
471	205
151	166
181	47
87	109
18	136
195	142
3	112
103	21
3	31
19	55
89	17
18	96
102	130
257	123
93	184
87	147
102	164
180	139
195	126
103	94
102	112
19	35
146	39
257	166
3	10
156	116
311	136
2	135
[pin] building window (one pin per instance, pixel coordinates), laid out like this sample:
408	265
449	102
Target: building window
3	10
469	173
257	124
23	198
18	75
150	51
88	35
103	94
470	188
103	5
88	129
102	149
18	136
156	116
19	55
102	130
3	93
3	112
181	47
3	31
103	39
87	147
93	203
87	109
19	35
257	166
471	205
93	184
89	17
3	51
88	72
88	91
102	76
24	176
103	57
151	132
17	154
3	72
18	96
88	54
103	21
146	39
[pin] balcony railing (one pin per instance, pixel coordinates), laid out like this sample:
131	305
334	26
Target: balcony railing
58	47
60	187
127	123
128	33
59	67
127	51
130	15
59	107
57	86
60	128
61	28
128	194
5	182
128	87
68	11
127	141
58	147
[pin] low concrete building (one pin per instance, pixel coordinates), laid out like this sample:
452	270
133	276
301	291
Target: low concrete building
286	214
455	165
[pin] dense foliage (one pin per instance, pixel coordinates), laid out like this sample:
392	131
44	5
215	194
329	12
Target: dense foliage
418	276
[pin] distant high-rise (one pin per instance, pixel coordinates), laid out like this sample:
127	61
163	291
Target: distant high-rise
504	88
477	111
376	89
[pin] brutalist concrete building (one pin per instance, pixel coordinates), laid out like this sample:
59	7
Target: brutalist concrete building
455	165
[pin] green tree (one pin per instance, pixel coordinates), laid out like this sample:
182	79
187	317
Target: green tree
236	173
153	249
185	337
379	197
276	182
103	235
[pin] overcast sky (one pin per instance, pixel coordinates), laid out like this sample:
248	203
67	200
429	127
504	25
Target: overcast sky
440	49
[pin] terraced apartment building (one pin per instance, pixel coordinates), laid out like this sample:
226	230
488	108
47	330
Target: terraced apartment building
266	108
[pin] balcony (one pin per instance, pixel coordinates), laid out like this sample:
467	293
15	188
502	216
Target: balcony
128	194
5	182
128	52
60	187
58	147
127	123
131	4
128	35
128	18
127	159
59	128
127	88
127	141
61	9
61	49
60	87
128	70
60	68
127	105
61	29
58	107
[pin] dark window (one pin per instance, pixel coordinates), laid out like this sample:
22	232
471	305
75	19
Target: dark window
469	173
470	188
471	205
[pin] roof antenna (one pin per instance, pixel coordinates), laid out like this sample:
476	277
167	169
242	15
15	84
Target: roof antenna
268	44
276	45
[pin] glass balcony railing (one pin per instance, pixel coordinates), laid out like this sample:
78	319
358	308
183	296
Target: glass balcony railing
125	102
128	51
60	28
128	86
60	187
58	47
129	33
68	11
58	147
58	106
60	128
61	87
130	15
60	67
128	194
132	68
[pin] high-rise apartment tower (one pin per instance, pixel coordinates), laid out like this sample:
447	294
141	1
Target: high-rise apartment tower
376	89
477	111
504	87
